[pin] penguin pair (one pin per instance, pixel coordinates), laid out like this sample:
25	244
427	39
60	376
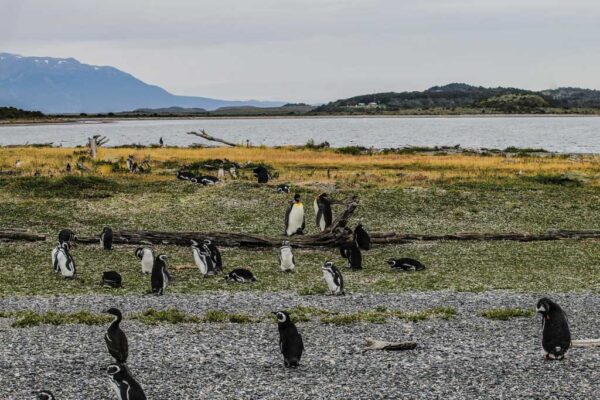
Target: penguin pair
240	275
124	385
106	238
290	341
207	258
261	174
333	278
287	262
556	336
323	213
405	264
63	261
294	217
160	277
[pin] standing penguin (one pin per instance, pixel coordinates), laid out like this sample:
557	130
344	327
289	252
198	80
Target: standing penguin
147	258
262	174
203	259
126	388
351	252
106	238
556	336
161	142
160	275
214	253
294	217
333	277
362	238
287	263
290	341
63	262
44	395
116	341
324	215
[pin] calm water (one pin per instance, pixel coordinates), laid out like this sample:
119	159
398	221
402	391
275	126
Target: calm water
560	134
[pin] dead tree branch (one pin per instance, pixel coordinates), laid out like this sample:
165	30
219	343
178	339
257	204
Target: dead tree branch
206	136
373	344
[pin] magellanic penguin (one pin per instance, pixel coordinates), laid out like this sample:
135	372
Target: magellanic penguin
294	217
334	278
261	174
283	188
362	238
63	262
184	175
44	395
287	263
324	215
203	259
160	275
123	383
106	238
240	275
115	339
405	264
147	258
556	336
205	180
66	235
214	253
290	341
351	252
112	279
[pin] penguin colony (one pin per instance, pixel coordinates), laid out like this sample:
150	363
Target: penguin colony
556	336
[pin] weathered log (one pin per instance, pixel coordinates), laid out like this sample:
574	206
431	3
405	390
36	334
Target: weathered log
399	238
342	220
94	142
206	136
18	235
373	344
586	343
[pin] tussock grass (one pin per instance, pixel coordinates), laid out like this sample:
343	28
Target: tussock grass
380	315
168	316
212	316
504	314
25	319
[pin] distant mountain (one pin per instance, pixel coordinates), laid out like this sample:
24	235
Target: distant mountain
57	85
463	95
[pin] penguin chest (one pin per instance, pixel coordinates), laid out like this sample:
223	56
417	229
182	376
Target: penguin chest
329	278
147	262
287	259
296	219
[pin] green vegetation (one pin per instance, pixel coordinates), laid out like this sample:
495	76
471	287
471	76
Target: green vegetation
381	314
24	319
169	316
222	316
11	113
504	314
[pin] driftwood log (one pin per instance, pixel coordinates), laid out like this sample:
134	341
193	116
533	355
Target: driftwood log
206	136
399	238
586	343
373	344
94	142
18	235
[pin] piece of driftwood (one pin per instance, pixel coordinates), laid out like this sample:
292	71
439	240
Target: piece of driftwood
94	142
373	344
18	235
398	238
586	343
206	136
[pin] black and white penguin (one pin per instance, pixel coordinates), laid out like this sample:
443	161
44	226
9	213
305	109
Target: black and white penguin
294	217
362	238
131	164
184	175
290	341
68	168
351	252
333	277
205	180
324	215
116	341
147	258
283	188
44	395
203	259
160	275
112	279
241	275
214	253
405	264
262	174
63	262
161	142
287	263
556	336
123	383
106	238
66	235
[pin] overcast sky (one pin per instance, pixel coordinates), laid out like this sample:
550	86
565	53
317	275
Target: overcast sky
316	50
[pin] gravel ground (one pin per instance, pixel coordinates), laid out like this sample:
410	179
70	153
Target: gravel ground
465	357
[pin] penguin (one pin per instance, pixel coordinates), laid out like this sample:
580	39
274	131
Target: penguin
262	174
63	262
362	238
106	238
290	341
205	180
18	164
115	338
68	168
184	175
334	278
294	217
66	235
112	279
161	142
131	164
287	263
283	188
123	383
556	336
160	276
44	395
324	215
203	259
215	254
351	252
241	275
405	264
147	258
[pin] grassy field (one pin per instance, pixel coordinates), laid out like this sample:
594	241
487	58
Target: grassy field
411	193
